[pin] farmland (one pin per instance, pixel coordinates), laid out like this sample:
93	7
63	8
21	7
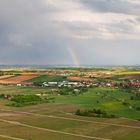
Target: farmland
47	78
56	119
16	79
5	76
78	79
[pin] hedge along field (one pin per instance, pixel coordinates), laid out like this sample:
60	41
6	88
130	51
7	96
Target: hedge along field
105	99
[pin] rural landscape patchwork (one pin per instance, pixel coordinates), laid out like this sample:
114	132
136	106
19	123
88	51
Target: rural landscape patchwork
70	103
69	69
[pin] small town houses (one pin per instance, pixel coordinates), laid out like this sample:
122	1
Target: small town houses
66	84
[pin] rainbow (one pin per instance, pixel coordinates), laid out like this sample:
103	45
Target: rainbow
74	56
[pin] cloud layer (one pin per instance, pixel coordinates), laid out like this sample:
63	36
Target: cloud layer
97	31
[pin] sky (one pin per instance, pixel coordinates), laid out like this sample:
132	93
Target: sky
70	32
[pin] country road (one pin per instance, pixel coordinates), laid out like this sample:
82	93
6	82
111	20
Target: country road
10	137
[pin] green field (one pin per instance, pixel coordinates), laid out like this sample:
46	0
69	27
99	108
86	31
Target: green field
102	98
15	90
105	99
56	121
48	78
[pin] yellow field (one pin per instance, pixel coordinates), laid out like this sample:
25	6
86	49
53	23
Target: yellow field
5	76
79	79
130	72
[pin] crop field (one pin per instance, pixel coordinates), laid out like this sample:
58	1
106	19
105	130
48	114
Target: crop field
15	90
17	79
78	79
47	78
5	76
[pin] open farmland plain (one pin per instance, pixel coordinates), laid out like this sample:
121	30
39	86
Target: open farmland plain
57	120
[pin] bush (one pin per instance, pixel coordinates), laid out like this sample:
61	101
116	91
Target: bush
78	112
125	103
23	100
94	113
132	98
37	84
138	108
26	98
1	95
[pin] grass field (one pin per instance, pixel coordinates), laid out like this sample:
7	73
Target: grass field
52	121
105	99
15	90
48	78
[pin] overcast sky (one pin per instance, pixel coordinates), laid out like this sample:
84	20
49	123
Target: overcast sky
96	32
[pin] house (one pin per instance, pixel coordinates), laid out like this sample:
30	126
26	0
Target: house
52	83
44	84
19	85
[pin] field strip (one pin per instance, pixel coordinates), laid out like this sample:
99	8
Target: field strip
73	119
130	119
50	130
10	137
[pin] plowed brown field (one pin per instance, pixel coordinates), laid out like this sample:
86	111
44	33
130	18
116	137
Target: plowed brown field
5	76
17	79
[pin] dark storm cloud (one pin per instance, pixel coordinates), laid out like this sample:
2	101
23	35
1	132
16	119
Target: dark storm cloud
114	6
27	35
125	27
